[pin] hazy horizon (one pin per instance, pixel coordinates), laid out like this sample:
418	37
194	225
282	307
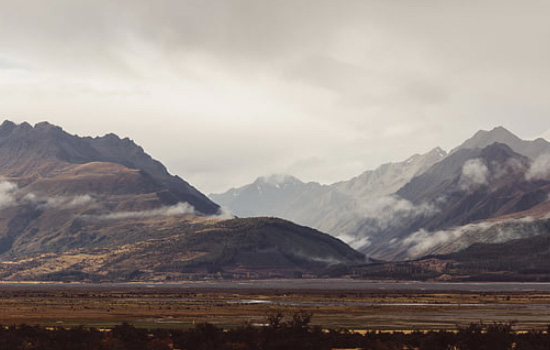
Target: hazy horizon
225	92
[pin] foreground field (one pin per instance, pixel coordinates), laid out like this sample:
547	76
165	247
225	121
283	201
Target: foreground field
152	306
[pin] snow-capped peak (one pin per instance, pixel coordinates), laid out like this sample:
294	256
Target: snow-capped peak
441	153
278	180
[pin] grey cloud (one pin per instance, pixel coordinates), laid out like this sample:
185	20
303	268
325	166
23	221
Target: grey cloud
357	242
180	208
67	202
12	195
8	64
424	242
57	202
359	85
382	73
511	165
384	33
387	210
376	215
58	32
474	174
223	214
7	194
540	169
243	28
100	30
329	73
329	260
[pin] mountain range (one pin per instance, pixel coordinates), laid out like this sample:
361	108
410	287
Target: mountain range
78	208
100	208
335	208
482	191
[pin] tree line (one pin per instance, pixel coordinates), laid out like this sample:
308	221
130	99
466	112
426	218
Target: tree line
279	333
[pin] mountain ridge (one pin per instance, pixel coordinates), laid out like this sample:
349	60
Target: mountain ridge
83	208
45	148
483	138
492	175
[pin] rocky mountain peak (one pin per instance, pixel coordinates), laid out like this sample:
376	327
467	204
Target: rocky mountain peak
499	152
7	126
438	151
484	138
27	152
432	156
278	179
45	126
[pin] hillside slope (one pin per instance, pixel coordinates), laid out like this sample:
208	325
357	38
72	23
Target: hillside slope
103	207
184	247
520	260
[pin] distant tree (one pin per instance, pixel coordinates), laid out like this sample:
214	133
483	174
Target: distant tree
132	337
203	336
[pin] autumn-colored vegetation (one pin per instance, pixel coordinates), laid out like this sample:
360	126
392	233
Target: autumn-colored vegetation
278	333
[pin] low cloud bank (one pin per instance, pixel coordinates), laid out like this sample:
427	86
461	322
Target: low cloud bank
511	165
327	260
180	208
7	194
224	213
474	174
357	242
12	195
540	169
386	211
424	242
376	216
59	202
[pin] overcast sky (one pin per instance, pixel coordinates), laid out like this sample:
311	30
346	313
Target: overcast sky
225	91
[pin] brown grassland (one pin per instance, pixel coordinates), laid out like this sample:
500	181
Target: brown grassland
357	310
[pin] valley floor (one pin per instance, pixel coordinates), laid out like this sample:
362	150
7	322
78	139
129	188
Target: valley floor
383	306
